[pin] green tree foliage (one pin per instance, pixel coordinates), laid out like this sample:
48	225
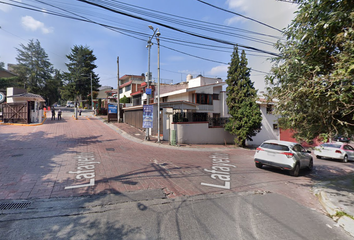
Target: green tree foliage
246	118
313	78
9	82
33	68
124	99
51	90
77	79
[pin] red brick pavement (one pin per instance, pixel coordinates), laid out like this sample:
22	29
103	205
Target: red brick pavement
39	161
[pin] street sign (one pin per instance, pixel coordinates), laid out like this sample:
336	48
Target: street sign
112	108
147	116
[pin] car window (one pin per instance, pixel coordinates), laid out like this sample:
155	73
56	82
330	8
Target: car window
331	145
348	147
275	146
297	148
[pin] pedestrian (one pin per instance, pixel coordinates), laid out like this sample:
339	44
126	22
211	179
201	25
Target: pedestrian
53	113
59	114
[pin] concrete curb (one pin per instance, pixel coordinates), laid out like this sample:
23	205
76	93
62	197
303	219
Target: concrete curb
345	222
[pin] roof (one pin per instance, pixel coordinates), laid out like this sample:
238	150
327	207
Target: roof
28	95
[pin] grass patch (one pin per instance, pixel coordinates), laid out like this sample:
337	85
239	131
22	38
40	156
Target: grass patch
341	214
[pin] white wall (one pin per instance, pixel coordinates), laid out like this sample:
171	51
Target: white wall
267	131
200	133
179	97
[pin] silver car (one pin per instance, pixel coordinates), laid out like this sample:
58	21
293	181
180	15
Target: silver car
284	155
336	150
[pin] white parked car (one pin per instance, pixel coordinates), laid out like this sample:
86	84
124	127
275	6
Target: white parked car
335	150
284	155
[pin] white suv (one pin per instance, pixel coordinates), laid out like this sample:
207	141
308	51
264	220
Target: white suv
284	155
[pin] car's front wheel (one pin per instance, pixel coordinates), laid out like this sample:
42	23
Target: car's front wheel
319	157
345	159
295	171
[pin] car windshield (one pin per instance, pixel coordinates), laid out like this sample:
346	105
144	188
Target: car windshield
331	145
275	146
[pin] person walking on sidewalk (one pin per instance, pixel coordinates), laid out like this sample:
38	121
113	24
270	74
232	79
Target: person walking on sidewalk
59	114
53	113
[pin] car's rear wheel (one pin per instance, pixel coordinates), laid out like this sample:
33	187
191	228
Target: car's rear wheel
295	171
310	167
319	157
259	165
345	159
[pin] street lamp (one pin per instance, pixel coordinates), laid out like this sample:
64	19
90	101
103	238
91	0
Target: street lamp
149	44
158	85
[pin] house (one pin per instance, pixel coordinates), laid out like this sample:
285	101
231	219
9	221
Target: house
269	129
7	73
194	111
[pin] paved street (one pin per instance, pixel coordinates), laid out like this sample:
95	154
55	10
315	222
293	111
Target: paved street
87	156
90	179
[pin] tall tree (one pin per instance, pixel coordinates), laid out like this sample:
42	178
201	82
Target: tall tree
78	78
313	78
51	90
33	68
246	118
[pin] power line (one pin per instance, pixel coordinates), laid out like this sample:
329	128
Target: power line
251	19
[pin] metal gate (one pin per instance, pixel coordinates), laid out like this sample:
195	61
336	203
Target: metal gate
134	118
15	113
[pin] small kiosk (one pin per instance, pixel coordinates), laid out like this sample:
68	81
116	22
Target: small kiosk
22	107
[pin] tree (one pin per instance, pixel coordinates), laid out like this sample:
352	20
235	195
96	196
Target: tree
246	118
78	78
33	68
313	77
51	90
124	99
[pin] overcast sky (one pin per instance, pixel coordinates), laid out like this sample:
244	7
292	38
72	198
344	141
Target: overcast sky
58	35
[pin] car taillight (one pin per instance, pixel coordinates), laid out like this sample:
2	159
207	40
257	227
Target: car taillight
338	151
259	149
288	154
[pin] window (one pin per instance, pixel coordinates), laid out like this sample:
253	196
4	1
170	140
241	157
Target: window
269	109
204	99
275	126
164	99
120	91
128	88
215	96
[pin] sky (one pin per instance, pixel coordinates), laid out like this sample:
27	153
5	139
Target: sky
196	38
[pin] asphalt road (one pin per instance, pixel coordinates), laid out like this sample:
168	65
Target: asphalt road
82	179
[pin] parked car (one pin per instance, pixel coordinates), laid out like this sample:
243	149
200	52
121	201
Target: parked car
340	138
335	150
284	155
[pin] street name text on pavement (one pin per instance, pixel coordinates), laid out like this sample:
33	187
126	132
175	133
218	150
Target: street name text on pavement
85	169
220	170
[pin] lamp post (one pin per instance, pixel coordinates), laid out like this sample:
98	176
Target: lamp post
149	44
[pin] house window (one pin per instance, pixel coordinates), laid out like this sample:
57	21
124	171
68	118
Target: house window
128	88
204	99
275	126
120	91
215	96
269	109
164	99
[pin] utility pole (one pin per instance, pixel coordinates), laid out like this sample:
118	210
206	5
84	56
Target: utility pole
91	91
158	85
118	102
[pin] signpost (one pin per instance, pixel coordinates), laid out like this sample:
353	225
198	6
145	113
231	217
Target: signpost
112	113
147	116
